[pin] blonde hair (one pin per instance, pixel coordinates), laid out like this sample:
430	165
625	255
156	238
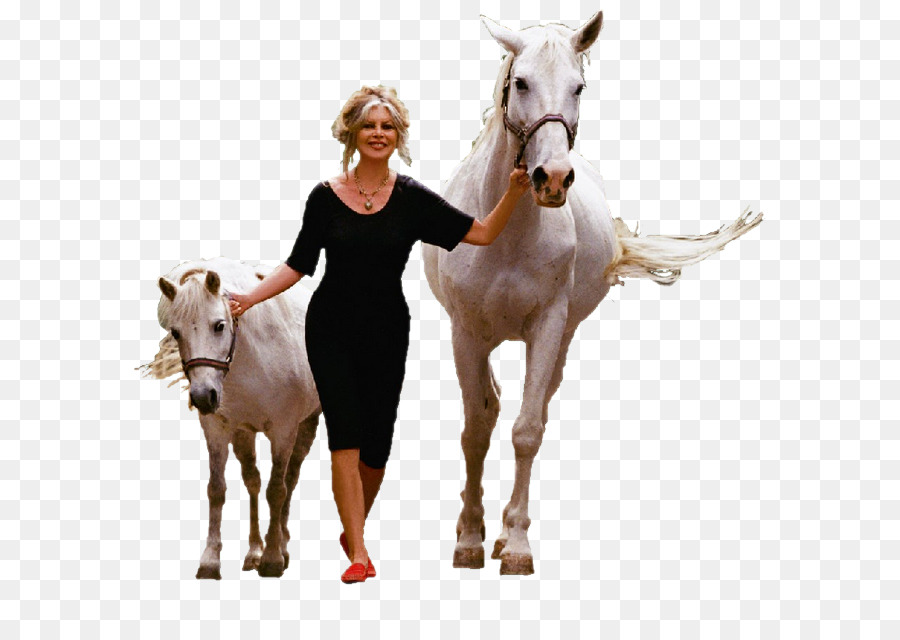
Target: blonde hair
354	113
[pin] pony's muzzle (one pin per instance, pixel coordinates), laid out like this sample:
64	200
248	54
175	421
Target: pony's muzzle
205	398
551	181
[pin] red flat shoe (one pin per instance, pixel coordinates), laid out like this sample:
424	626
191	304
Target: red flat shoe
370	571
356	573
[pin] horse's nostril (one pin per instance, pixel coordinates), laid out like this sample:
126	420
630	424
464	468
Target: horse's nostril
539	177
213	398
569	179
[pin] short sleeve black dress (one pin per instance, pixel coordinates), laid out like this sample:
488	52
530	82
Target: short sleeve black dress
357	324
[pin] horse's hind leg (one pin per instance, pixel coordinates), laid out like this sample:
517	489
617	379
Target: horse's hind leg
555	381
217	445
305	436
481	404
271	564
244	443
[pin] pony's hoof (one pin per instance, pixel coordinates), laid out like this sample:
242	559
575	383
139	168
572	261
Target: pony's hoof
271	569
516	565
251	563
208	572
499	545
287	559
468	558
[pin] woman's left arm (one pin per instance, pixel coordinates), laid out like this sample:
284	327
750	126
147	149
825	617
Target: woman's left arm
484	232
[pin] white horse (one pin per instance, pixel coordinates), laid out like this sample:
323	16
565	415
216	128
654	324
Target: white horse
268	388
546	272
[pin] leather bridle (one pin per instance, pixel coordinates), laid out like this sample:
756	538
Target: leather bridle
524	134
211	362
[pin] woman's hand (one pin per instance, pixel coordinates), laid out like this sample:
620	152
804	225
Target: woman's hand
519	181
239	303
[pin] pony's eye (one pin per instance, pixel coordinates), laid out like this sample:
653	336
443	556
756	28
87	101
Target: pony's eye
521	85
220	326
175	334
579	90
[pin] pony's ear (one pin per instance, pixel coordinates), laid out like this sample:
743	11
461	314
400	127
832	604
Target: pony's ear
587	33
213	282
507	38
167	288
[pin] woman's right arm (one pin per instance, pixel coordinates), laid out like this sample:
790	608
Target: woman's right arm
282	278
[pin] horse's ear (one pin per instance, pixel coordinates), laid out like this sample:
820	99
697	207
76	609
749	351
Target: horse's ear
167	288
587	33
507	38
213	282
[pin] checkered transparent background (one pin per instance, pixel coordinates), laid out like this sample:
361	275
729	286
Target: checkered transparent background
722	457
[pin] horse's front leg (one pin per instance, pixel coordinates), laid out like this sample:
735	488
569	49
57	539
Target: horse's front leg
244	443
555	381
543	341
481	404
217	444
272	563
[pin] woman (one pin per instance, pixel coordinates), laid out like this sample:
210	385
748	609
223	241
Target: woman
357	324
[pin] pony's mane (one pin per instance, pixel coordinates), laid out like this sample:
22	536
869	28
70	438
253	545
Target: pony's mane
556	45
192	298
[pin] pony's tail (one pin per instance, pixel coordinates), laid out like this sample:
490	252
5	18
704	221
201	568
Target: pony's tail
166	363
661	258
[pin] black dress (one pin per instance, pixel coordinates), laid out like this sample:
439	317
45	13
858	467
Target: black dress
357	324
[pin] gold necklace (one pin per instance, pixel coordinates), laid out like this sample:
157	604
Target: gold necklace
362	191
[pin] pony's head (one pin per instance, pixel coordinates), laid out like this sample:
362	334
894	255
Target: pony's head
196	313
538	95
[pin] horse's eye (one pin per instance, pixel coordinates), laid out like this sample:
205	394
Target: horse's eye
220	326
175	334
579	90
521	85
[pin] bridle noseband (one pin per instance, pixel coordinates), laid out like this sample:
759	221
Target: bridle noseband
210	362
524	133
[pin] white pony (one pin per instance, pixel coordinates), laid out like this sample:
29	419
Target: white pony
546	272
268	388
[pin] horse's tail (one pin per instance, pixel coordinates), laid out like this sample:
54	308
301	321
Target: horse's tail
166	363
661	258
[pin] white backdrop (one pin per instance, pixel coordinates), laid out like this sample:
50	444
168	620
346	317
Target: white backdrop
719	461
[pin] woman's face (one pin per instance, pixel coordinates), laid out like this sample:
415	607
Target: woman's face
378	137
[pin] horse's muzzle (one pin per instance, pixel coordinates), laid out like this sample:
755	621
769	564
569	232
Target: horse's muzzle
205	399
551	182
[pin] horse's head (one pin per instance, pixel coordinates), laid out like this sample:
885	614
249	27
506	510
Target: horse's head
540	98
196	313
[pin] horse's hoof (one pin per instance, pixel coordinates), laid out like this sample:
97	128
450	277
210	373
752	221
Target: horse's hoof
271	569
287	559
499	545
208	572
251	563
469	558
516	565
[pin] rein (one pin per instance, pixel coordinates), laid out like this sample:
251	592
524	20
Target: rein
524	134
211	362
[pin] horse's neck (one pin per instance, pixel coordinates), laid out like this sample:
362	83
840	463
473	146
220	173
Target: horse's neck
483	176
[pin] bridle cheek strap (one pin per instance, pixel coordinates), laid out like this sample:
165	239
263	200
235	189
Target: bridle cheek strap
524	134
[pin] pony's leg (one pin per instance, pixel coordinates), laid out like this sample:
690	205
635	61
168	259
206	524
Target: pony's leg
271	565
555	381
481	404
217	440
543	343
244	444
305	436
